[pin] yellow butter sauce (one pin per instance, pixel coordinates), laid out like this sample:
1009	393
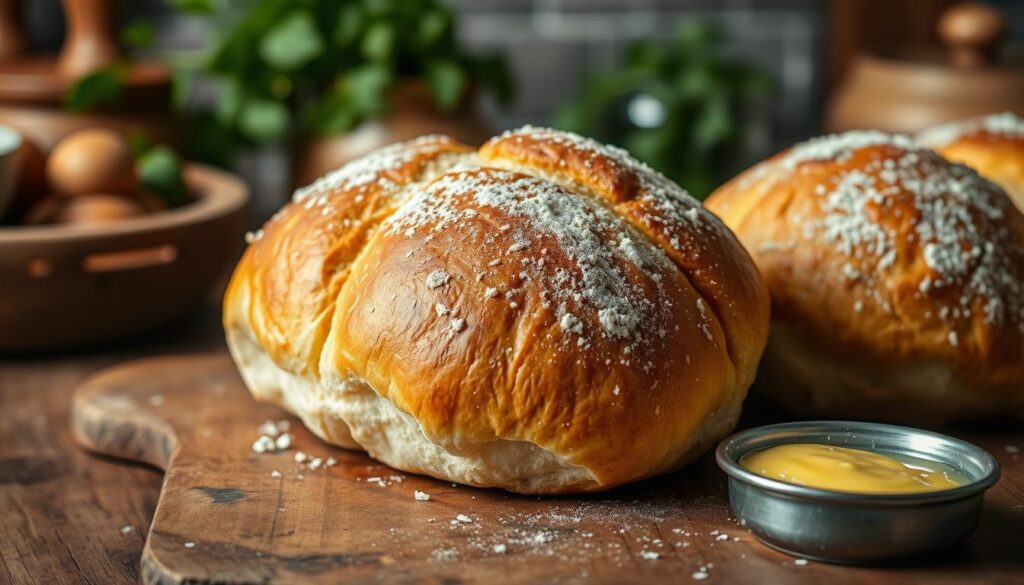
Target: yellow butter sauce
851	470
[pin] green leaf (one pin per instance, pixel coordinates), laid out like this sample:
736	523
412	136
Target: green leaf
432	27
651	144
182	82
702	90
229	100
281	87
350	24
492	73
292	43
698	36
646	55
103	87
572	117
379	7
698	181
694	82
447	81
714	126
366	87
330	63
139	142
332	114
263	120
379	41
160	171
138	35
757	83
209	141
193	6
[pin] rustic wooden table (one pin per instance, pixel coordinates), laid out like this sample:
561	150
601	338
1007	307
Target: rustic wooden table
67	516
70	517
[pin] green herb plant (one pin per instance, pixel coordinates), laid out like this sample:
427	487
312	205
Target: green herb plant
319	66
324	66
160	170
678	106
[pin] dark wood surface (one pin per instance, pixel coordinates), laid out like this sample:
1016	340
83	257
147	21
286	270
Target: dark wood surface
63	510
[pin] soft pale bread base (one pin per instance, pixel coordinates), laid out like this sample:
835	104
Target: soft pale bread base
351	414
808	378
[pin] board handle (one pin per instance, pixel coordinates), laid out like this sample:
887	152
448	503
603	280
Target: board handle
119	426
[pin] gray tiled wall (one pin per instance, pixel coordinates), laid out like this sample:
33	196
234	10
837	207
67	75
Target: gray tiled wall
553	44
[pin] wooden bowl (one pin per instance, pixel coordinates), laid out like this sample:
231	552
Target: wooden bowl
68	286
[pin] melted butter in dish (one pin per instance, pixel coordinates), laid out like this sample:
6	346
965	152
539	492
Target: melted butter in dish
851	470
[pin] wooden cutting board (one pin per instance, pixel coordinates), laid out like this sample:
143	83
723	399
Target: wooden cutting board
229	515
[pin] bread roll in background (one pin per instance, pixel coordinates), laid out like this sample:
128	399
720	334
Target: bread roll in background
993	145
544	315
896	280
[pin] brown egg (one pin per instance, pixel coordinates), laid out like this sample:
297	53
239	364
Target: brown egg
98	209
92	161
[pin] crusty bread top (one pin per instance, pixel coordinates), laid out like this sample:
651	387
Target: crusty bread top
545	289
992	145
301	258
994	127
876	245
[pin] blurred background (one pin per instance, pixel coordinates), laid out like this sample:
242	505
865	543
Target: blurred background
554	48
127	129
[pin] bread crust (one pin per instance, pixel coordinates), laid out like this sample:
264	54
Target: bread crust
992	145
882	256
546	315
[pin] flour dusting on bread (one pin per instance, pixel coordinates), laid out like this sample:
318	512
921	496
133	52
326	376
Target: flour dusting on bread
583	230
1002	124
372	168
956	225
500	317
840	147
897	280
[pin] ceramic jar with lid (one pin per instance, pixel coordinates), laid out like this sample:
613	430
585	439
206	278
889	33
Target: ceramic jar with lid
908	90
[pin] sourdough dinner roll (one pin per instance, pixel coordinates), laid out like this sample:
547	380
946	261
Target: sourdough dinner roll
545	315
993	145
896	280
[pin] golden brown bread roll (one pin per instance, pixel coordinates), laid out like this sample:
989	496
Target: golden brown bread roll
896	280
545	315
992	145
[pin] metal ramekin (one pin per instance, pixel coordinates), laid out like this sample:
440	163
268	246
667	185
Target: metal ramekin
856	528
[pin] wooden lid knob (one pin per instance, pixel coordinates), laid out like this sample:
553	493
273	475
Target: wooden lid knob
972	32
